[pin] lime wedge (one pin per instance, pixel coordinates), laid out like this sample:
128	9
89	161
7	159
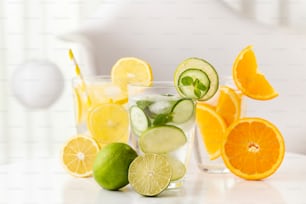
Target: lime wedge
196	78
150	174
162	139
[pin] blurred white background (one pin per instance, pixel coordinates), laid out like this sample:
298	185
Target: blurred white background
29	30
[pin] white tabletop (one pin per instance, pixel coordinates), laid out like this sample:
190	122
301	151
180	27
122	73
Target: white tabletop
45	181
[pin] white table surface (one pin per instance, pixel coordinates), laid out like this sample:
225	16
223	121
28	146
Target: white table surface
45	181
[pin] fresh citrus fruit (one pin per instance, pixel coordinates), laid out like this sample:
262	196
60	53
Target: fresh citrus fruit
212	128
78	155
196	78
108	123
131	70
111	165
150	174
248	79
228	105
254	148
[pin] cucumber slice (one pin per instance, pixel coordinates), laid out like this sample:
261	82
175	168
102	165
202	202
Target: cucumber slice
191	83
183	110
178	168
139	120
162	139
194	83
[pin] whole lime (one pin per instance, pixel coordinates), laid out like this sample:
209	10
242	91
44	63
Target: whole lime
111	165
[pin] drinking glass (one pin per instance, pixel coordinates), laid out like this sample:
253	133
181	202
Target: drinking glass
204	161
100	109
162	122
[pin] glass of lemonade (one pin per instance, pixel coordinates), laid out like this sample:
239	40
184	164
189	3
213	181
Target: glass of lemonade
101	109
162	122
213	119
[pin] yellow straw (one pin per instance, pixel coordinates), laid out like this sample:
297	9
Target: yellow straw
79	74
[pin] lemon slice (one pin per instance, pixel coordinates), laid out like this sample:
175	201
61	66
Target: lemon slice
131	70
78	155
150	174
108	123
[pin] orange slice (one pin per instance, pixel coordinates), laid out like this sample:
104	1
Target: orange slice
248	78
212	128
254	148
228	105
78	155
131	70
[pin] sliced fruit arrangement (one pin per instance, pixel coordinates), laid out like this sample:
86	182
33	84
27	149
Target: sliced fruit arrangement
249	79
196	78
78	155
254	148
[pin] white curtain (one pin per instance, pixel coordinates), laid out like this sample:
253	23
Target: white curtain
28	30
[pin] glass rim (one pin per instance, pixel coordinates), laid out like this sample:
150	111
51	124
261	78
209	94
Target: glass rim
93	77
154	84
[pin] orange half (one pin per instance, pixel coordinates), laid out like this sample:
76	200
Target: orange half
254	148
249	79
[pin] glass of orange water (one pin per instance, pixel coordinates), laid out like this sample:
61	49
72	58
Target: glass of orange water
213	117
100	109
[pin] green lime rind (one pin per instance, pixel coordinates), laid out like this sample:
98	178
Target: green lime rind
150	174
162	139
110	169
197	64
183	110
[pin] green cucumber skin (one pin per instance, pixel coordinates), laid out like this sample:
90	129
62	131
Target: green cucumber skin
187	117
161	139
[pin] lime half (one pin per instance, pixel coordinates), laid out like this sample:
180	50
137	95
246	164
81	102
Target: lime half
150	174
196	78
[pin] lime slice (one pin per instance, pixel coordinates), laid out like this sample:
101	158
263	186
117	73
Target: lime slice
182	111
139	120
196	78
178	168
162	139
150	174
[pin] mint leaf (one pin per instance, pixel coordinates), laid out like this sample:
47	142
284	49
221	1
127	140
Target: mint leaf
197	92
187	81
162	119
201	86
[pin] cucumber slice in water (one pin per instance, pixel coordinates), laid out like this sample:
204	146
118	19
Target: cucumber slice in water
178	168
190	83
182	111
139	120
162	139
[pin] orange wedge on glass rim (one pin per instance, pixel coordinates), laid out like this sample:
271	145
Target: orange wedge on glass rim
254	148
249	79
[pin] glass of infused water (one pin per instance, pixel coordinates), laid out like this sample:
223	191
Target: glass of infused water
100	109
162	122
